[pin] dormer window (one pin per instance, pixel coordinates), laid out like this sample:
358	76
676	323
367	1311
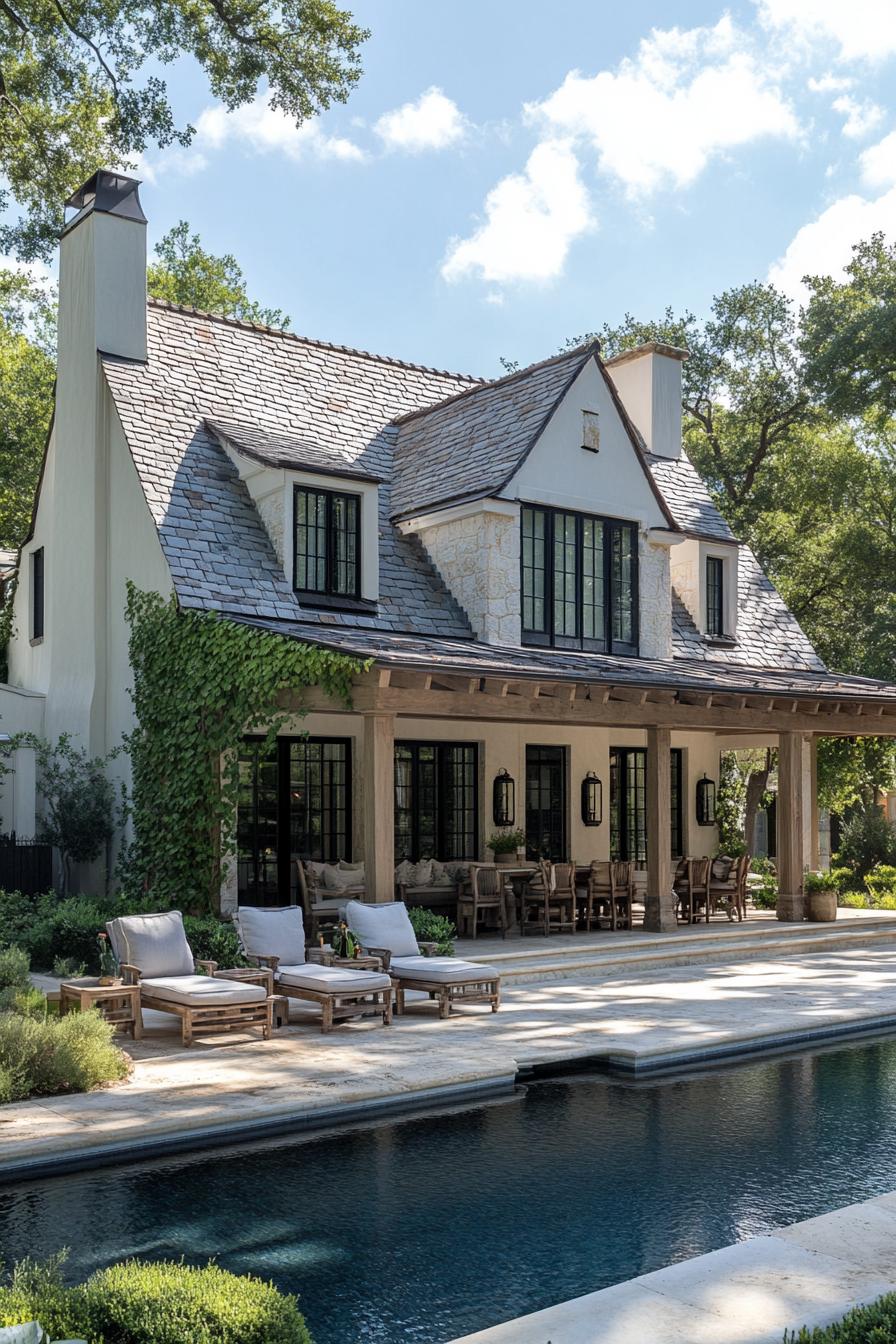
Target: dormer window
327	553
715	596
579	581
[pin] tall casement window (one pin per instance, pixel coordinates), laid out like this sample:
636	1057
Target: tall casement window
294	803
715	595
436	801
37	593
579	581
327	555
628	803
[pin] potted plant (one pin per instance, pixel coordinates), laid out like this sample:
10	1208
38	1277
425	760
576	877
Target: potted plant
109	968
821	893
504	846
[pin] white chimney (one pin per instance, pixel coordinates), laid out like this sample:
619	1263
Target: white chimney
648	379
102	268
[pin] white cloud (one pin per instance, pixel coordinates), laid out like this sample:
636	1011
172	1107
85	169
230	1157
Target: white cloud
824	246
531	219
860	30
861	118
432	122
686	97
829	83
878	163
268	129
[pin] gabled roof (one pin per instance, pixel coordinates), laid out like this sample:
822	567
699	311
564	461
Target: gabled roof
218	551
473	444
281	450
688	498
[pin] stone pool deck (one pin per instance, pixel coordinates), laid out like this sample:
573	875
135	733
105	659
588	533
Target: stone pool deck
234	1087
811	1273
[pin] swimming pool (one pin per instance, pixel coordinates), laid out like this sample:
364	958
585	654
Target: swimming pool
429	1228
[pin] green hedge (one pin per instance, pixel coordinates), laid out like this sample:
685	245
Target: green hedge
874	1324
137	1302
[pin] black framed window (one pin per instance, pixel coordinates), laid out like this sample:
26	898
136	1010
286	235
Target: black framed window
37	593
579	581
327	552
436	801
294	803
546	803
628	803
715	595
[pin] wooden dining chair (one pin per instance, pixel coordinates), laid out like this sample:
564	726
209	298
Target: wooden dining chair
601	889
483	895
562	900
695	893
623	894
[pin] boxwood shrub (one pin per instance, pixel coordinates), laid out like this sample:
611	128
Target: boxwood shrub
874	1324
43	1055
137	1302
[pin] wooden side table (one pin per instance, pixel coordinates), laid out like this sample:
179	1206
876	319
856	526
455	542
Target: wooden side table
119	1004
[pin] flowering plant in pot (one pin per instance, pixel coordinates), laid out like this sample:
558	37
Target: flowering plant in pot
504	845
109	968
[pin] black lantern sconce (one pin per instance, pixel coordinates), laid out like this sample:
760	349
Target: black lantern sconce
592	800
706	802
504	799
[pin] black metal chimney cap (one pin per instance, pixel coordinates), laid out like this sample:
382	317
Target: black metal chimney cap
110	193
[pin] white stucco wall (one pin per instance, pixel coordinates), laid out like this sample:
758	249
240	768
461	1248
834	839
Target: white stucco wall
655	616
649	384
478	555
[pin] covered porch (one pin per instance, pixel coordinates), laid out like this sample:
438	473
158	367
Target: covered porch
429	733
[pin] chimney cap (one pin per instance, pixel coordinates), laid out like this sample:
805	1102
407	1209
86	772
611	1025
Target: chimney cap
648	348
111	194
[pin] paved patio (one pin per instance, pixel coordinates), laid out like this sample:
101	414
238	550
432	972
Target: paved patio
648	1019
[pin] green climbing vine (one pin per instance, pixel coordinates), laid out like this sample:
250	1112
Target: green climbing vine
200	683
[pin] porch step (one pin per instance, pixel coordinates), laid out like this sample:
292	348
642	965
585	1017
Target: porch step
630	953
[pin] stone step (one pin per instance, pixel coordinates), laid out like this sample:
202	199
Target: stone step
653	951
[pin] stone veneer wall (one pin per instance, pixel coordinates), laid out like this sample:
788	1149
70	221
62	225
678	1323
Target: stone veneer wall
655	600
479	559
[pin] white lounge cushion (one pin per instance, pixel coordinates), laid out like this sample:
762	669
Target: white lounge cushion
201	991
441	970
385	925
156	944
331	979
272	933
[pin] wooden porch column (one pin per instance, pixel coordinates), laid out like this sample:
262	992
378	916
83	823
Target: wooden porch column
659	904
379	806
814	849
791	861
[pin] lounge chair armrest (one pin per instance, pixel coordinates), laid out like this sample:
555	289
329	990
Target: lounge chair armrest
260	960
428	949
209	967
129	974
383	953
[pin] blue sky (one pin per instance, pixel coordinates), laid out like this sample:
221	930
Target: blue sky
507	175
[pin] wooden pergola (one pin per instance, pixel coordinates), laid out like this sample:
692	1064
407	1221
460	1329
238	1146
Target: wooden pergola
830	708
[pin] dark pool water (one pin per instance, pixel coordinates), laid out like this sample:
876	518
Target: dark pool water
428	1229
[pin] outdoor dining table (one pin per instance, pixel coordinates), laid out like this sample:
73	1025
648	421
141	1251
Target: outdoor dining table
518	875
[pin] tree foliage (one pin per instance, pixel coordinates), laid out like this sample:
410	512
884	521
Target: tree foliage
185	273
80	88
27	371
200	683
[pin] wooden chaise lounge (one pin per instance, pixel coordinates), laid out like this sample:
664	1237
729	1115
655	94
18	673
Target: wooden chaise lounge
385	931
154	953
276	939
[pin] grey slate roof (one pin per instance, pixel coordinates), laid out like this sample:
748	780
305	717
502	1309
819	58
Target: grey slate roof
280	450
688	498
214	541
476	659
768	634
468	447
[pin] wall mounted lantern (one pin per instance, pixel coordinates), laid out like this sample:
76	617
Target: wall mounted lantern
592	800
706	802
504	799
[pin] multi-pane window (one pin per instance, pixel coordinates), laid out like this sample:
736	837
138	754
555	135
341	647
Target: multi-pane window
579	581
628	803
327	542
294	803
436	800
715	595
37	593
546	820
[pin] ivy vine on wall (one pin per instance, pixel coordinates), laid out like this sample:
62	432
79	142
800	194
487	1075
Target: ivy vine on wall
200	682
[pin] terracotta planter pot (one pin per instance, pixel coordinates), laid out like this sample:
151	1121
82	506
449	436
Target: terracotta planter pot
822	907
506	860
